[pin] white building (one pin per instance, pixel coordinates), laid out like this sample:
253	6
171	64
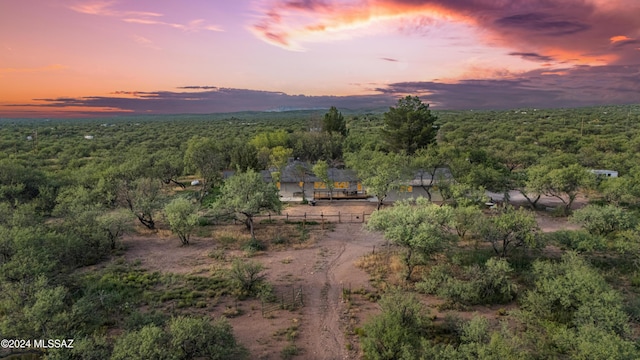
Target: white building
605	173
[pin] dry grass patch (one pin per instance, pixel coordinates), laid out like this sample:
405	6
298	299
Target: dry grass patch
386	269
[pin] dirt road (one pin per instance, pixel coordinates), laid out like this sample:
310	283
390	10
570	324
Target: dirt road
322	272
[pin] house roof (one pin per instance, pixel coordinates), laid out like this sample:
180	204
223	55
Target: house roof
424	177
291	173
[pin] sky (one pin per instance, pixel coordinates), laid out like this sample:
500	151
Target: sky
66	58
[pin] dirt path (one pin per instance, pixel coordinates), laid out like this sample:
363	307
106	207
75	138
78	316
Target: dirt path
334	270
322	272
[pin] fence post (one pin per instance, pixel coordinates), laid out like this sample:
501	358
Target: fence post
269	217
339	220
287	216
363	216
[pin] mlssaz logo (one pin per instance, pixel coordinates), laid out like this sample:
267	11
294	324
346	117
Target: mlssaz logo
53	344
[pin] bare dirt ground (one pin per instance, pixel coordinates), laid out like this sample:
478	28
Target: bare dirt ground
548	223
322	269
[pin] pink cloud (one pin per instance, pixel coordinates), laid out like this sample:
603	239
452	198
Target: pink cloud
107	8
575	31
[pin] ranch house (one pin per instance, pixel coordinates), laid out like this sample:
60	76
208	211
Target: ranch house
297	181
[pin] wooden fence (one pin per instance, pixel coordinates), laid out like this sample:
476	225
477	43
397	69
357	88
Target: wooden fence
284	301
320	218
317	217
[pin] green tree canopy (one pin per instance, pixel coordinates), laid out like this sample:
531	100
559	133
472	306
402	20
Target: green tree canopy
321	170
167	165
395	334
563	183
409	126
604	220
334	122
270	139
182	215
247	194
115	223
143	198
379	172
199	338
573	294
510	229
421	227
428	164
206	157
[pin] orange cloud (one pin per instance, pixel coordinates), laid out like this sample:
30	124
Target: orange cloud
619	38
290	24
576	31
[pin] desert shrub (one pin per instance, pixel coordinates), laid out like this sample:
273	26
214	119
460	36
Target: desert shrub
475	330
89	348
434	279
303	232
203	221
396	332
137	320
488	284
146	343
632	308
603	220
289	351
183	338
199	338
580	241
278	239
247	277
493	284
254	245
572	293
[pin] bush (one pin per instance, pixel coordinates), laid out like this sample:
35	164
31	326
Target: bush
254	245
137	320
488	284
397	330
183	338
434	279
572	293
247	277
203	221
289	351
580	241
90	348
603	220
279	240
493	285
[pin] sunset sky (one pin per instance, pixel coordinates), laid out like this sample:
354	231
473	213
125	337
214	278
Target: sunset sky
84	58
